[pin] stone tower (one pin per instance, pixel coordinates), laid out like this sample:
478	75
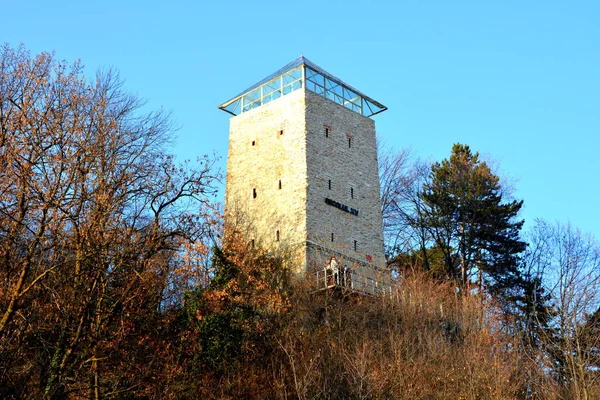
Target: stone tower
302	175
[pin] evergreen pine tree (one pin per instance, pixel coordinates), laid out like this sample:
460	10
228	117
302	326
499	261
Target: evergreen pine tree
476	230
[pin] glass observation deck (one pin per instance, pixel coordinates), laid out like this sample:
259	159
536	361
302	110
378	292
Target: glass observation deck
302	72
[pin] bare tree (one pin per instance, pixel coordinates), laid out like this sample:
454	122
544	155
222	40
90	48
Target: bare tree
401	177
568	261
95	219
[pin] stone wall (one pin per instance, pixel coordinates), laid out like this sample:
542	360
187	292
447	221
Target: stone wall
268	145
342	167
285	141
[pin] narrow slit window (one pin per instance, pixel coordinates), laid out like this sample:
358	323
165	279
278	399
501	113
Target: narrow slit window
280	184
280	132
351	192
252	244
254	143
332	236
326	130
277	236
355	245
329	184
254	193
349	142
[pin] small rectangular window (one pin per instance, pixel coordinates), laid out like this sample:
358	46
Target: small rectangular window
332	236
326	130
277	236
351	193
252	244
280	184
355	245
280	133
349	142
329	184
253	143
254	193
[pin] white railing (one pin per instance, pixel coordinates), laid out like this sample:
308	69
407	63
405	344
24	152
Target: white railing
350	280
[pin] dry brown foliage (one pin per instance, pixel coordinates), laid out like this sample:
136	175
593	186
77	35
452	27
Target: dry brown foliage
426	342
95	223
107	289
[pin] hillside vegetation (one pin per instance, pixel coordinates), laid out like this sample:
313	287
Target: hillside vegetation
116	280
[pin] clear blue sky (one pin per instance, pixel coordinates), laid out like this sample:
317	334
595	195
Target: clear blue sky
517	80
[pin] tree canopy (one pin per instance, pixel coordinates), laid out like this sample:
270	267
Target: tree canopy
113	283
96	220
469	220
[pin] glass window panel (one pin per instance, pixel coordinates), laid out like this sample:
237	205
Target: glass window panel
234	107
314	81
320	79
310	73
251	96
368	107
272	86
315	77
255	94
349	94
329	84
292	76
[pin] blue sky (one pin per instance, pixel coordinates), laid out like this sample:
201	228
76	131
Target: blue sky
518	81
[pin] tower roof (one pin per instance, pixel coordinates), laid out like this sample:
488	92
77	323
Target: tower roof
296	74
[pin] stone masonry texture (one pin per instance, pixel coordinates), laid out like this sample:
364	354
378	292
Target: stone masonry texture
283	165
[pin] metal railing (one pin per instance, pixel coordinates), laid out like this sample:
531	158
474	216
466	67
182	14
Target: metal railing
352	281
348	273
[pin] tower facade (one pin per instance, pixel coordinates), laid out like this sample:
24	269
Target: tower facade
302	177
